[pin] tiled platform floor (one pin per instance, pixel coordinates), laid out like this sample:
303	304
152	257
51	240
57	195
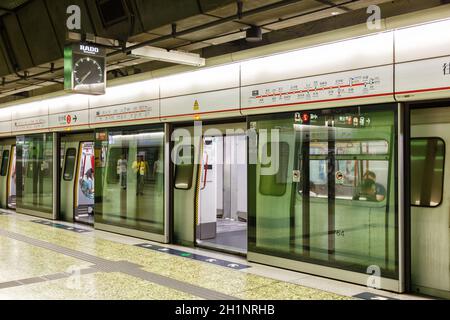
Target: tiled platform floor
43	262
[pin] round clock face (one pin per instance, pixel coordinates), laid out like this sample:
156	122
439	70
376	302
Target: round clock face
87	71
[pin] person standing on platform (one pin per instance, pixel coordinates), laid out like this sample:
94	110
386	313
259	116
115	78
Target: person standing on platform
140	167
122	165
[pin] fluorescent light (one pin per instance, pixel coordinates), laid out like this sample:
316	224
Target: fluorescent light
172	56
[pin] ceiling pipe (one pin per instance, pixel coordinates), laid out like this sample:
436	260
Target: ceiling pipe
239	15
32	76
262	26
236	16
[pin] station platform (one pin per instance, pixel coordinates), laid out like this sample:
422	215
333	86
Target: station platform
45	260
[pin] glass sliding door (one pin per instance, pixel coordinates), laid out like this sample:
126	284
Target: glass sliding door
129	184
12	180
34	174
324	189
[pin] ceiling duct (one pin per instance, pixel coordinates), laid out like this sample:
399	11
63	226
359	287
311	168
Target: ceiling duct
112	11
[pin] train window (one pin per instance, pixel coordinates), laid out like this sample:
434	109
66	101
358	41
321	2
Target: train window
364	147
69	167
427	171
349	147
184	168
274	183
5	163
354	180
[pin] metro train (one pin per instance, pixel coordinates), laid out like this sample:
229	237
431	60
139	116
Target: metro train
355	123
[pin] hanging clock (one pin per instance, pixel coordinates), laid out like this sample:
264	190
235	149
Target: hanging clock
85	69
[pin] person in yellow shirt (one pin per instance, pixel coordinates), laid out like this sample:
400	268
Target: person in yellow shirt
140	167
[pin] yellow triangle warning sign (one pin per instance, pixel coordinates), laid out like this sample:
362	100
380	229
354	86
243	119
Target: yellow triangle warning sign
196	105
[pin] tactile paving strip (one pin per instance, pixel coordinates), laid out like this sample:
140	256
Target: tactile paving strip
51	277
372	296
197	257
61	226
125	267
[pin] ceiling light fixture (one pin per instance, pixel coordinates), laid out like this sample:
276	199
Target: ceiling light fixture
172	56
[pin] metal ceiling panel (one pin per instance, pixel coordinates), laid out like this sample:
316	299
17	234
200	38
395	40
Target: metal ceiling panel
58	15
12	4
170	43
253	4
39	32
17	42
284	12
157	13
121	30
143	37
208	5
162	30
5	65
231	9
365	3
194	46
322	13
184	24
227	38
194	21
7	6
214	32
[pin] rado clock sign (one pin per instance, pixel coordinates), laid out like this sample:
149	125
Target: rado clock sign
85	69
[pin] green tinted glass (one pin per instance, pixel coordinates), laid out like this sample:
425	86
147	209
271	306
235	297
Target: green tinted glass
427	171
35	172
274	183
69	167
5	163
129	178
184	168
330	198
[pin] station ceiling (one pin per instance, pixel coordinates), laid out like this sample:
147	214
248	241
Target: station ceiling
33	33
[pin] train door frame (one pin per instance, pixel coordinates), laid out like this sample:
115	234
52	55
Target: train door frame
76	195
236	122
7	144
227	196
79	138
12	152
406	126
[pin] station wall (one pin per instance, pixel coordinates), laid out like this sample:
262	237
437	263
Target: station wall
411	63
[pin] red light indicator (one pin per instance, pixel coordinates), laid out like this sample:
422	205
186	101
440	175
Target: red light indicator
305	117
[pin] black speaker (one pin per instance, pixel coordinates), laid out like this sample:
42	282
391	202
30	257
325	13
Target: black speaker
254	34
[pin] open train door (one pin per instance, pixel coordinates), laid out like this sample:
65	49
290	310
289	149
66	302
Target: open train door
210	187
8	174
77	178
